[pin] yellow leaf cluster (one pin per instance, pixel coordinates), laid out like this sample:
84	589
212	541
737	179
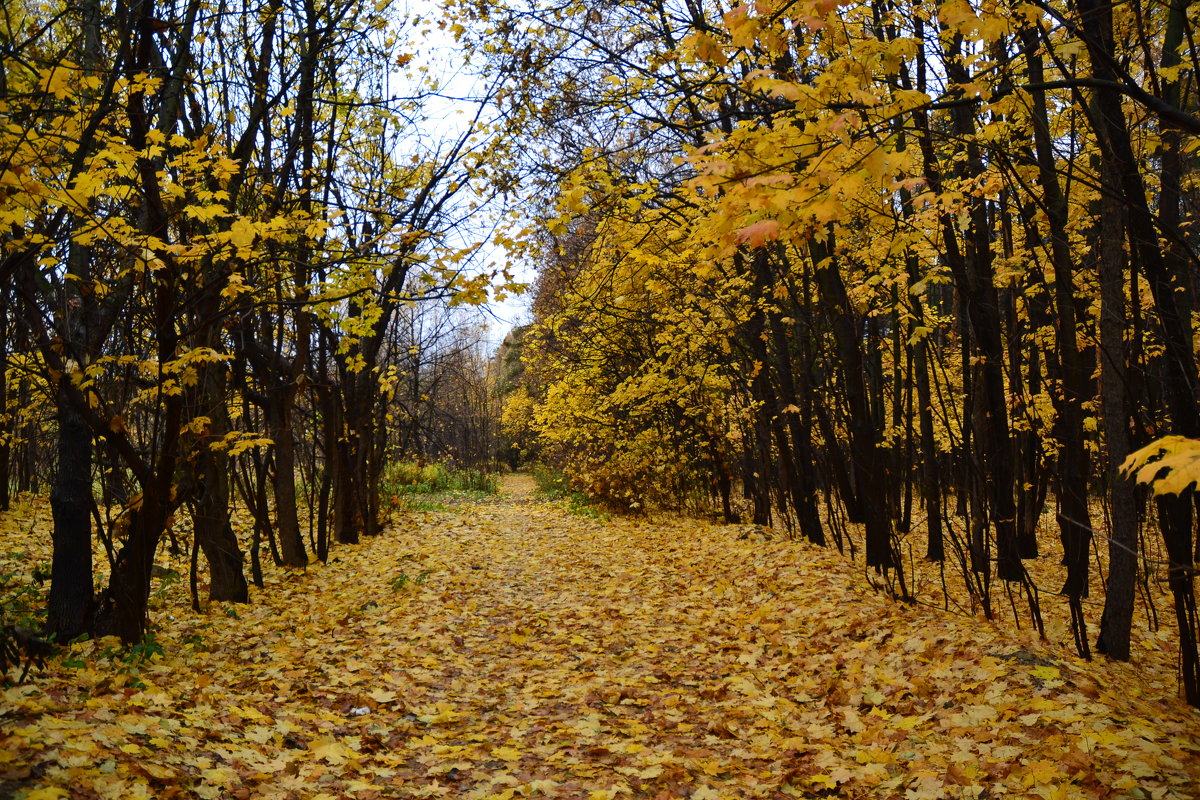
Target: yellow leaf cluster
1170	465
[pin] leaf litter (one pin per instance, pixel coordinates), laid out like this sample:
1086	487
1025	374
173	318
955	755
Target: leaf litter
531	652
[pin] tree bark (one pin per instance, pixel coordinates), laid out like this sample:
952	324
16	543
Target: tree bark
213	528
1117	620
72	588
869	475
1175	514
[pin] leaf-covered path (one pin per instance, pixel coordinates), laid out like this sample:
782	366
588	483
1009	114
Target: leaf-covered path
513	649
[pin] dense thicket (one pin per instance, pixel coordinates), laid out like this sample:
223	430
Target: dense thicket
931	266
229	232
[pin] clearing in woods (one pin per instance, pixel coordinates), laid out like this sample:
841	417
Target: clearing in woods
514	649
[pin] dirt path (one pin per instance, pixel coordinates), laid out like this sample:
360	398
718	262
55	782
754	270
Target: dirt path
518	487
516	650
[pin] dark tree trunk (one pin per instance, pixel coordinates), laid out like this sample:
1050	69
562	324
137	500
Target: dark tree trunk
347	520
974	278
1074	518
122	606
71	582
291	541
866	458
26	469
356	510
1175	514
931	484
788	468
7	426
1117	619
213	529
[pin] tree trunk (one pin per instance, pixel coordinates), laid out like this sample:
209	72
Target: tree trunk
71	583
291	542
974	278
1117	619
121	610
870	477
1074	518
213	529
1175	514
7	426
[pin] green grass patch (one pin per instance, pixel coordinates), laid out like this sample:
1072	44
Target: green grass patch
408	486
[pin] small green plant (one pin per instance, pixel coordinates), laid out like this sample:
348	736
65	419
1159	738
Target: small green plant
421	504
581	505
166	579
554	485
71	661
143	651
403	579
22	594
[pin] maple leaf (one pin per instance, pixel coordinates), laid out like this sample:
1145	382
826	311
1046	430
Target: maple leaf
759	233
242	233
47	793
507	753
1170	465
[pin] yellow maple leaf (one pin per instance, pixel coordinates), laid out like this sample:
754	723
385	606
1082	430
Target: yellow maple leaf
1170	465
242	233
507	753
47	793
759	233
250	713
362	786
382	695
328	748
1045	673
219	776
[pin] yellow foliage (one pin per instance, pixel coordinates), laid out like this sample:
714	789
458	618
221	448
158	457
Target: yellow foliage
1170	465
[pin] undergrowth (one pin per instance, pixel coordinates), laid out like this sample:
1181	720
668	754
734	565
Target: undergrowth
409	486
407	477
552	484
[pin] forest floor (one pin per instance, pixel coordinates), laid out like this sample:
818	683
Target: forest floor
513	648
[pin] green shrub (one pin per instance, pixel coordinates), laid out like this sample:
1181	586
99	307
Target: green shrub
406	477
476	480
555	485
551	483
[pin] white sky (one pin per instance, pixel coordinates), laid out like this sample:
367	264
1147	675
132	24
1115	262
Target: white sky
448	117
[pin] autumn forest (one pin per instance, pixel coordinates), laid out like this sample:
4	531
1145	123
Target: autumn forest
849	444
